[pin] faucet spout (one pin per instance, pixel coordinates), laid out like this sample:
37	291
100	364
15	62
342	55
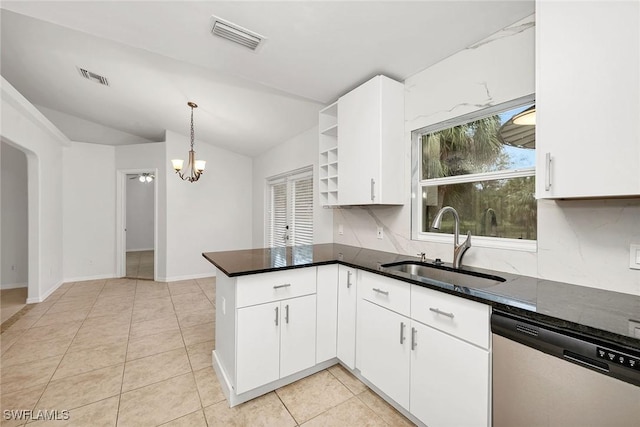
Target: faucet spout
458	249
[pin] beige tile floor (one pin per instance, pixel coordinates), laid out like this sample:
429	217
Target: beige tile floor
138	353
11	302
140	265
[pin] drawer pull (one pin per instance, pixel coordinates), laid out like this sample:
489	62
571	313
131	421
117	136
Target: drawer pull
277	316
444	313
286	313
286	285
414	341
380	291
348	279
401	332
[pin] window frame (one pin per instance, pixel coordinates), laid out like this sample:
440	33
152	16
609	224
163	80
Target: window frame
417	184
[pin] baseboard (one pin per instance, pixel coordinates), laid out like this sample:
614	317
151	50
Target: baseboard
187	277
139	250
83	278
13	286
41	298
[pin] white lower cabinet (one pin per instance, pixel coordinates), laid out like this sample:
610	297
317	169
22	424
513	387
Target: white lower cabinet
440	372
347	302
258	334
385	351
449	380
275	340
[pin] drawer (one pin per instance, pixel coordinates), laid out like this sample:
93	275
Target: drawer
275	286
462	318
390	293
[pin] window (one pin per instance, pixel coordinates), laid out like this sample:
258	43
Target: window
483	166
289	219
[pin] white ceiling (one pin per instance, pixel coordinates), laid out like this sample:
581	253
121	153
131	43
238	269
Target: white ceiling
159	55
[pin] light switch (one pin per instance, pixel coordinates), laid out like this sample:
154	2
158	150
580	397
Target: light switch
634	257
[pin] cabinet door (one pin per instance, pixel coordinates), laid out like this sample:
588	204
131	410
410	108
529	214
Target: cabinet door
449	380
346	342
385	351
587	99
327	299
258	346
359	144
297	335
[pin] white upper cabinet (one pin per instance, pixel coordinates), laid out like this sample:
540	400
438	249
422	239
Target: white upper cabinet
361	146
587	99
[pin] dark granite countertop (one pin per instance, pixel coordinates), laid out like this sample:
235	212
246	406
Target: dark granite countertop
575	309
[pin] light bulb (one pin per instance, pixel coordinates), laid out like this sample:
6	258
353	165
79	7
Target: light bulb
177	164
200	165
148	178
141	178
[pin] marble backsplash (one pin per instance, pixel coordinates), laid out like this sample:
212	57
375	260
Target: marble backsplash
580	242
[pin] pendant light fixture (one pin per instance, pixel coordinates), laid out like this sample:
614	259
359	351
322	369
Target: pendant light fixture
195	168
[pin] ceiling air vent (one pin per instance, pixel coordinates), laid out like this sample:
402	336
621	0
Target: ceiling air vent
93	77
236	34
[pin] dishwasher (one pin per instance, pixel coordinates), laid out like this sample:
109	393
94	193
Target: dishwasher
543	376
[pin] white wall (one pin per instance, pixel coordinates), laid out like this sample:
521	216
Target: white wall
580	242
300	151
25	127
140	214
88	211
212	214
13	230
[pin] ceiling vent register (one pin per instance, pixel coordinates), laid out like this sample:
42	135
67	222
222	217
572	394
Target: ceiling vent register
236	34
93	77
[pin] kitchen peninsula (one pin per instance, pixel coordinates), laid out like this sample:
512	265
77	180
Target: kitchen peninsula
285	313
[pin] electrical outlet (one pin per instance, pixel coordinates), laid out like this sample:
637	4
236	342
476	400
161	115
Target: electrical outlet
340	229
380	233
634	257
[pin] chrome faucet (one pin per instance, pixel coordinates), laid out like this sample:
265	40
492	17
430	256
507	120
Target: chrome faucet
423	256
458	249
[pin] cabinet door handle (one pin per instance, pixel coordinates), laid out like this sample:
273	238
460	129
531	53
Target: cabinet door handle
547	172
380	291
373	189
444	313
414	340
401	332
348	279
286	285
277	316
286	313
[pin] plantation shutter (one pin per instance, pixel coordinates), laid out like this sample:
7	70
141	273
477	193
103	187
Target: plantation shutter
278	215
289	219
302	215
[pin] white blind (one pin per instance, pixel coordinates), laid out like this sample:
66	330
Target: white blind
302	215
276	227
289	218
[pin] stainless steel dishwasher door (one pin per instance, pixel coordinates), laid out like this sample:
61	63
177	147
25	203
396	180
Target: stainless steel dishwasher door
532	388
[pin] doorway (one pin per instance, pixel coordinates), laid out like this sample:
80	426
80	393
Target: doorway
14	230
137	218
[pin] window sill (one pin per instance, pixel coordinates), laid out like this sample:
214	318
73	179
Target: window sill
482	242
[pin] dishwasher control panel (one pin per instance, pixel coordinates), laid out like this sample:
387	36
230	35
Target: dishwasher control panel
619	358
589	352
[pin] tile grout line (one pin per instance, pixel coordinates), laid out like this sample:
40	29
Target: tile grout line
126	352
70	342
286	407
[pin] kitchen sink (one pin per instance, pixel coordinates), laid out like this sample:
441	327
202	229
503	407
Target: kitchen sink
443	274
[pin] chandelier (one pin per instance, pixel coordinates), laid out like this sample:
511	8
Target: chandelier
195	168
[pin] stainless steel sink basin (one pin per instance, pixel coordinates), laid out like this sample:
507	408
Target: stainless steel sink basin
442	274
